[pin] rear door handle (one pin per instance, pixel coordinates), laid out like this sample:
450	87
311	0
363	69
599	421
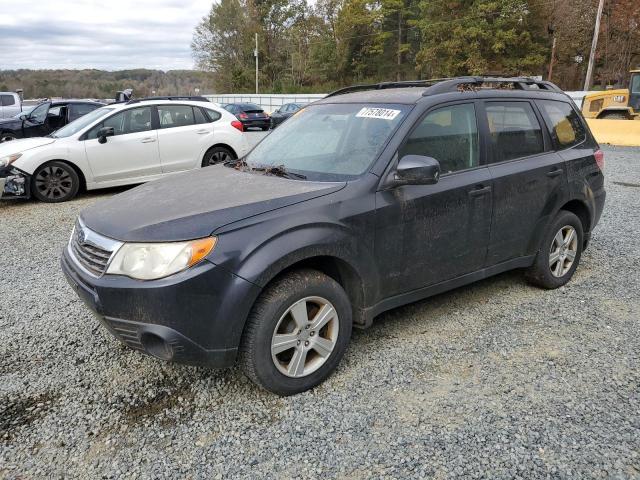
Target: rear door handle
477	192
554	172
202	132
148	140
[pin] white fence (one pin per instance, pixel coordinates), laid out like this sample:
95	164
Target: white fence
269	102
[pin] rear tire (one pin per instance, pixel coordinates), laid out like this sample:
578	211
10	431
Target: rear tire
559	254
55	182
216	155
296	333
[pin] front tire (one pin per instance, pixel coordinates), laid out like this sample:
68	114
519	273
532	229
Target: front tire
560	253
296	333
55	182
217	155
7	137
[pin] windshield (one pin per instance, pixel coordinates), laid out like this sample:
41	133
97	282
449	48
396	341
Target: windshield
329	142
77	125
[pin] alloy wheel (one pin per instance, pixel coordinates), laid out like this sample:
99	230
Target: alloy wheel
219	156
53	182
305	336
564	248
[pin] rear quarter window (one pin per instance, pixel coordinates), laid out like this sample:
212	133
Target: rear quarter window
7	100
564	123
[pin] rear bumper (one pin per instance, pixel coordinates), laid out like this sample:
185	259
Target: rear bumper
261	123
194	317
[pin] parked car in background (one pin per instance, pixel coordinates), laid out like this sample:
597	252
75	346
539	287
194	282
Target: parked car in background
10	104
119	144
371	198
44	119
250	114
284	112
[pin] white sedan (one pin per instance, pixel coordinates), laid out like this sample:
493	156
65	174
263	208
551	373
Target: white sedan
120	144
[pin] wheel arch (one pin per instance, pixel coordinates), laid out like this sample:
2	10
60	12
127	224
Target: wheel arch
221	144
76	168
580	210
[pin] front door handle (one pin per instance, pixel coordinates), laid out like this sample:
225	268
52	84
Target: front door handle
554	173
479	191
148	140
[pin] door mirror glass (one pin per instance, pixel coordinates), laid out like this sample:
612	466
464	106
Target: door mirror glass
417	170
105	132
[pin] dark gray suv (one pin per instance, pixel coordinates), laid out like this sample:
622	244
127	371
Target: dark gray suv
374	197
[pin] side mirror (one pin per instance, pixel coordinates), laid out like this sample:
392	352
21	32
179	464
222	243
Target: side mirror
417	170
105	132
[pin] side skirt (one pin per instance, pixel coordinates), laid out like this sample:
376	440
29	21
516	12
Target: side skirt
413	296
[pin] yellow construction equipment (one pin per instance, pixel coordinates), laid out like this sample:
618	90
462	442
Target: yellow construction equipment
621	104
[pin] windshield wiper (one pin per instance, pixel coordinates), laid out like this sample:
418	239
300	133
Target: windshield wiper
277	170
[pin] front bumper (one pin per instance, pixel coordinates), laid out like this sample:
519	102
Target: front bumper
194	317
14	183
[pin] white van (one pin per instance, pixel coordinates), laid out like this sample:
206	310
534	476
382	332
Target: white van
10	104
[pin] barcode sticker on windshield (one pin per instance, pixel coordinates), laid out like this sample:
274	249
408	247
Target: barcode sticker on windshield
383	113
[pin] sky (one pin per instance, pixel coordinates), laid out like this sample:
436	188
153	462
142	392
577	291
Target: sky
106	34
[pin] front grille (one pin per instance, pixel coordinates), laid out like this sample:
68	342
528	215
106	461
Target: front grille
91	251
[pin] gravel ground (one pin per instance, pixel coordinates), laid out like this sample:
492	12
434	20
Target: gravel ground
494	380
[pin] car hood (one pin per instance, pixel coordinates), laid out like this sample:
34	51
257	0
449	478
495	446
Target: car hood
23	144
194	204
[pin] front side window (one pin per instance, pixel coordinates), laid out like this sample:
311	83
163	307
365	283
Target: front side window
175	116
566	128
330	142
515	131
7	100
448	134
133	120
39	114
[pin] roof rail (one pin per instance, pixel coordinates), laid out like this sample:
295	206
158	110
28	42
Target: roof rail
170	97
518	83
383	85
443	85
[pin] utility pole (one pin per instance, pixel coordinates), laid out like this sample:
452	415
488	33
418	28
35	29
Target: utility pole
255	53
553	57
594	44
399	44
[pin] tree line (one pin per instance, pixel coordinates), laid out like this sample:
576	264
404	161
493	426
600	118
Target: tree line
320	46
102	84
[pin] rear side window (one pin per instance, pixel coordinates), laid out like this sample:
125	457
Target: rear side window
565	125
7	100
77	110
172	116
514	129
212	114
448	134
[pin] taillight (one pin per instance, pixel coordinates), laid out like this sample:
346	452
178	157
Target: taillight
243	115
238	125
599	156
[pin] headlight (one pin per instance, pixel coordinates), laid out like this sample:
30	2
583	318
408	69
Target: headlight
9	159
150	261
